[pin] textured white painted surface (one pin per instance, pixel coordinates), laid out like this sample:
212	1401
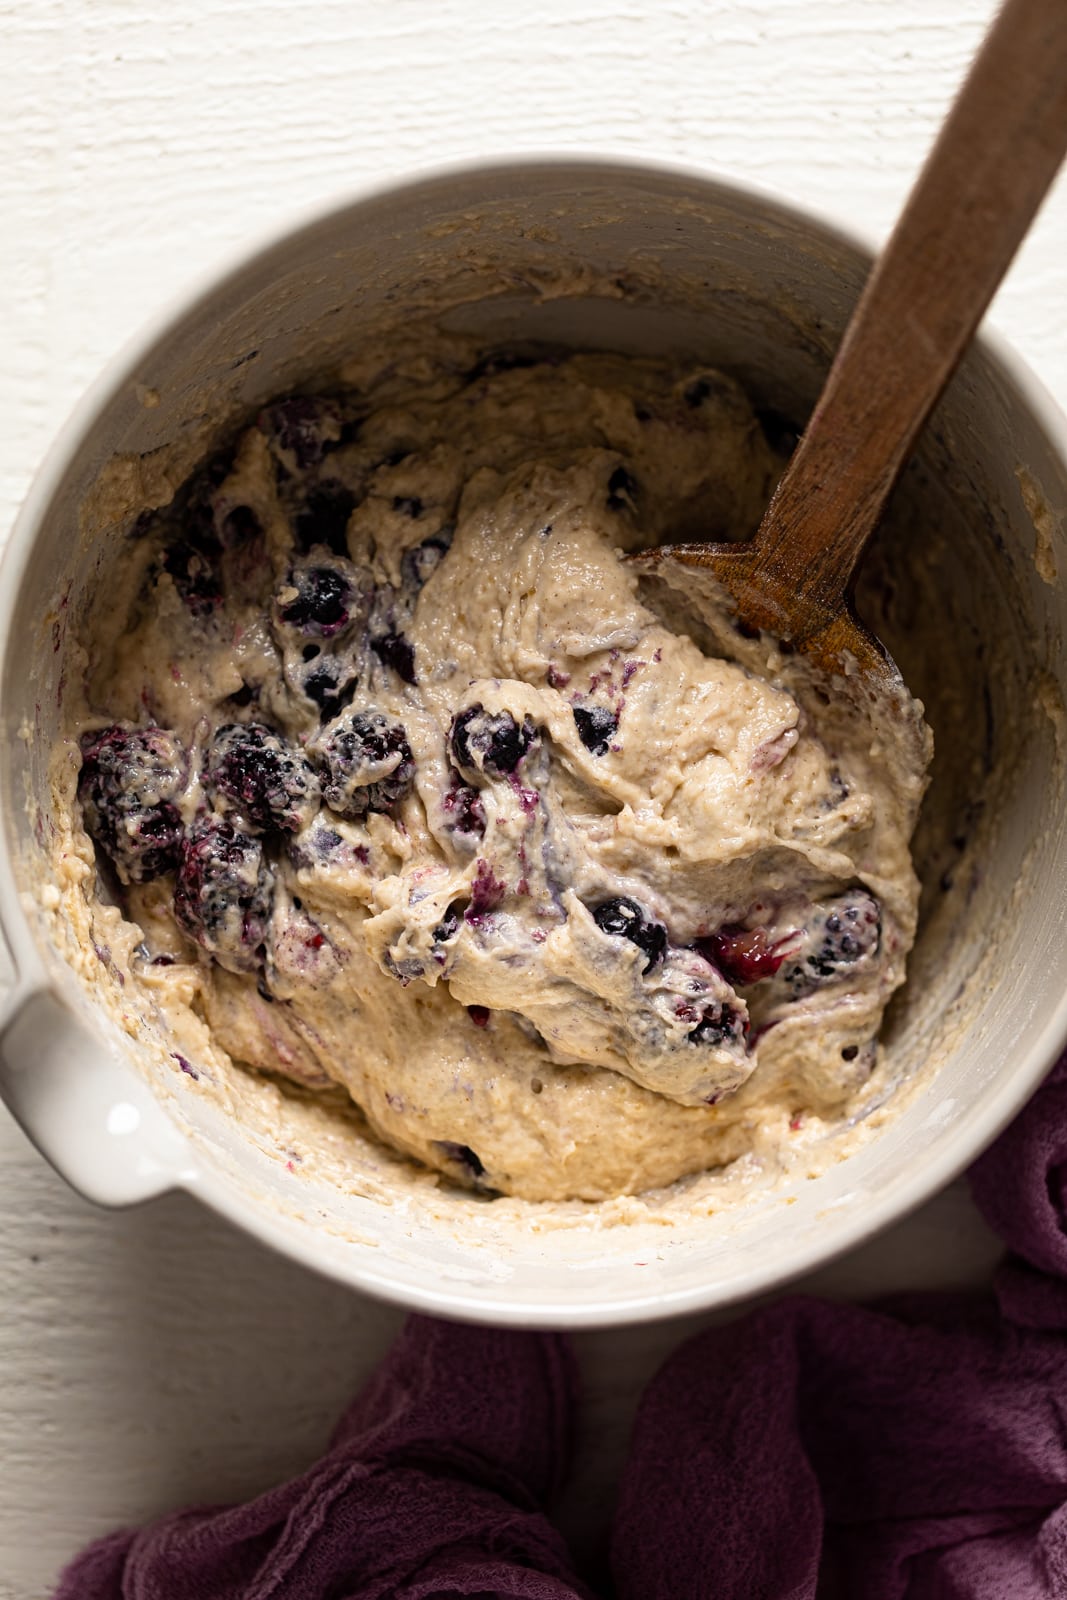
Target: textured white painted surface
157	1355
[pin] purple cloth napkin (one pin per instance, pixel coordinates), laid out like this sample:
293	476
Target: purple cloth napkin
432	1487
912	1451
915	1450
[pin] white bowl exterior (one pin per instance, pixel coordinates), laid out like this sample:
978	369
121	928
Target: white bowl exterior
721	257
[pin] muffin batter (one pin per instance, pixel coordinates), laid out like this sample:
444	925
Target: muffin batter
410	789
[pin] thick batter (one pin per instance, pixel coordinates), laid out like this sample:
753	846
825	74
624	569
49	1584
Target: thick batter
409	788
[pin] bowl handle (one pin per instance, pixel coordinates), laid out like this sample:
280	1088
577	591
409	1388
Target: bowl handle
87	1113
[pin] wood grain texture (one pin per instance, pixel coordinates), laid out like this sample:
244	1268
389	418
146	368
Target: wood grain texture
991	166
994	159
157	1355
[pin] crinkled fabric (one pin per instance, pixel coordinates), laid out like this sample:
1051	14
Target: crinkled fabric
433	1487
1020	1185
911	1450
914	1450
918	1450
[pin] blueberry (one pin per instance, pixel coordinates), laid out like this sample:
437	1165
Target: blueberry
324	518
721	1024
129	781
368	763
322	604
597	726
301	426
489	742
462	1155
395	651
625	919
252	769
321	844
841	934
223	892
424	559
622	490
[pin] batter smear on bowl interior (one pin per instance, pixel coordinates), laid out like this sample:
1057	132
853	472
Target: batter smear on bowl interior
409	787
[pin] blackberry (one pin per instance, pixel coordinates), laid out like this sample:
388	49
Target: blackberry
597	726
842	934
489	742
721	1024
368	764
323	601
129	782
255	772
625	919
223	892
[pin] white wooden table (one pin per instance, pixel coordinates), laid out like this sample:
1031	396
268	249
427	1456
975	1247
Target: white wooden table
157	1356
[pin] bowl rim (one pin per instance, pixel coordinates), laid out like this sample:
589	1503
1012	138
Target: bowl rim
844	1229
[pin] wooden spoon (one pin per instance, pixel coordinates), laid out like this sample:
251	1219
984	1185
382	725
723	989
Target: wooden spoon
983	181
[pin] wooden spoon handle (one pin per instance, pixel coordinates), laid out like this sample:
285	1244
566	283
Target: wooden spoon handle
999	150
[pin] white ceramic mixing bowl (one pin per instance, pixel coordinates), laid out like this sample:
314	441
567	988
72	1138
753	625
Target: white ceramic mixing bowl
636	258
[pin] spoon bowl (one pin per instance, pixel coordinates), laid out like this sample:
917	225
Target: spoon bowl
834	640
